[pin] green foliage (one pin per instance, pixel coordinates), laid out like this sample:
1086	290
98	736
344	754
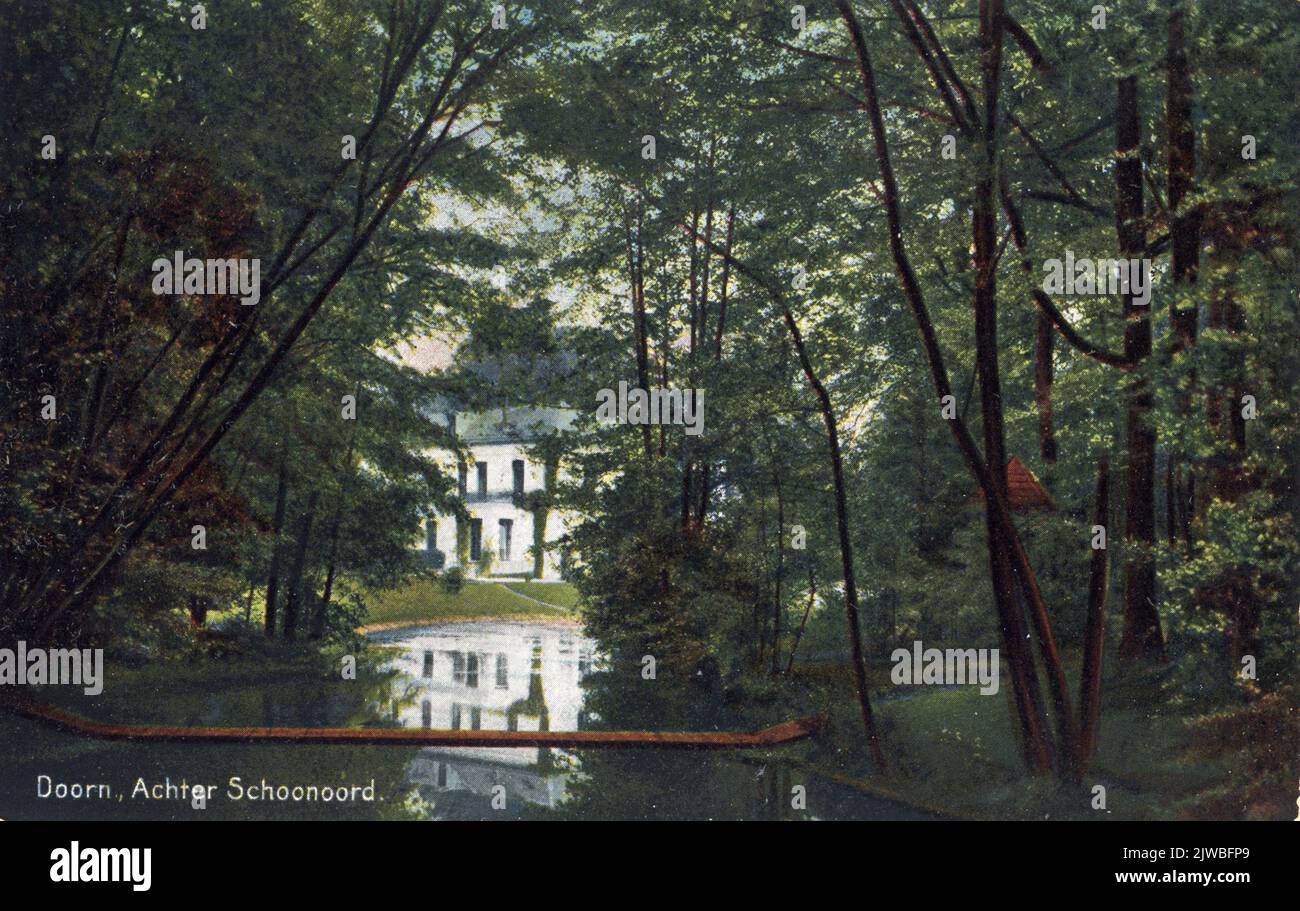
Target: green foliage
487	557
452	580
157	152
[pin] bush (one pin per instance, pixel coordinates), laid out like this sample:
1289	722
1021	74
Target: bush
453	580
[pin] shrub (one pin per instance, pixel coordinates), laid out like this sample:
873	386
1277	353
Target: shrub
453	580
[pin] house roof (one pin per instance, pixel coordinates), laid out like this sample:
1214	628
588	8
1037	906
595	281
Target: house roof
1024	490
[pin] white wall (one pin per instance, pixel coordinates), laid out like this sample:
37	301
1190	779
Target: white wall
500	458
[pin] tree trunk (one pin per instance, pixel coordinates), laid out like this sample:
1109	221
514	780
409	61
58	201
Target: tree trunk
705	489
641	343
1142	638
198	611
780	573
807	611
1184	238
760	624
295	574
1043	388
698	266
273	575
726	277
323	605
846	544
1094	634
1028	695
686	498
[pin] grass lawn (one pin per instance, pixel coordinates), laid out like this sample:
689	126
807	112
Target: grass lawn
955	749
560	594
424	601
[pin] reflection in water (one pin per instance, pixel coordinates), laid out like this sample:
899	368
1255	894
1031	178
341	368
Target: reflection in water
496	677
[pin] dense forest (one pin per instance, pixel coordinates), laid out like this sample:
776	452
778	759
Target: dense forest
886	240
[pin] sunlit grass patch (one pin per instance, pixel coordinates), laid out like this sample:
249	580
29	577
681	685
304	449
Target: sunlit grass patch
425	601
559	594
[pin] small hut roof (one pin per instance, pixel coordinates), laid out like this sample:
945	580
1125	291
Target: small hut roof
1024	490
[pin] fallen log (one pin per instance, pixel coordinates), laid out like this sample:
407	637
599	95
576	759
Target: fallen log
776	735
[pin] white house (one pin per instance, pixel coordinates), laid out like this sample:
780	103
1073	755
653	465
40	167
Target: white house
496	471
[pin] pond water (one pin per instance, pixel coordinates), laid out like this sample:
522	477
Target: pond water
465	676
536	677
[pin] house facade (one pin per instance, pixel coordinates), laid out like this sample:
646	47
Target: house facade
493	475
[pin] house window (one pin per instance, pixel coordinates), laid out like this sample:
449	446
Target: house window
482	479
430	535
505	526
475	540
428	663
503	671
462	478
426	714
518	466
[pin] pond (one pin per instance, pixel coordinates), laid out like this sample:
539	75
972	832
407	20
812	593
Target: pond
541	677
461	676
